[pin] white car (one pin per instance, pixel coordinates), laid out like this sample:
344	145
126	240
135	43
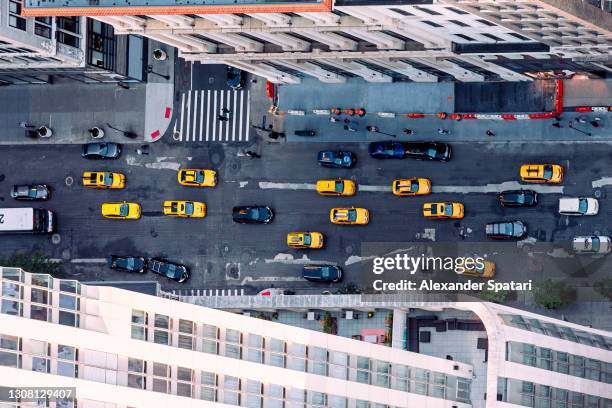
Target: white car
595	244
578	206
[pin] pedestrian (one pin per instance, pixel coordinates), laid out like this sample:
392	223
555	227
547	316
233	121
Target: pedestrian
252	154
350	129
347	120
26	125
333	119
222	118
372	129
595	122
443	131
490	133
225	110
581	119
408	131
557	125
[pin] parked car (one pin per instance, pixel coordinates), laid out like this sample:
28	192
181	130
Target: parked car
437	151
578	206
388	149
322	273
101	150
127	263
31	192
336	159
506	230
594	244
518	198
170	270
256	214
236	79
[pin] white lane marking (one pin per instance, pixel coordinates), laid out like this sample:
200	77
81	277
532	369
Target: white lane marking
182	116
355	259
365	187
214	116
243	184
207	113
266	185
201	114
88	260
248	114
227	124
604	181
247	279
234	117
241	110
495	188
161	163
187	129
195	116
428	233
218	112
290	260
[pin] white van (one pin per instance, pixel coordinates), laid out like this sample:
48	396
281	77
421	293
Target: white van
578	206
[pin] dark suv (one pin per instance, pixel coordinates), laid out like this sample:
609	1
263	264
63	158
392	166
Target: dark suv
322	273
170	270
506	230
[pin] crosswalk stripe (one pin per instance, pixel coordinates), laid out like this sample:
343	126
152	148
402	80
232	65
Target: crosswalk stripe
182	110
214	118
201	113
188	116
241	110
234	117
195	115
207	113
227	103
248	107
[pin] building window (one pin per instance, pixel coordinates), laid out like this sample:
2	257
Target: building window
69	319
137	370
520	37
184	382
161	375
68	39
42	28
161	335
465	37
71	24
459	23
101	44
428	11
401	11
10	351
491	36
456	10
431	23
208	390
15	19
41	280
233	343
486	22
39	352
70	286
140	320
67	357
255	351
210	343
231	390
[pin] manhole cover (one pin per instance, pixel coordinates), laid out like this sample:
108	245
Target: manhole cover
232	271
215	158
66	254
69	181
153	233
597	193
56	239
348	249
176	136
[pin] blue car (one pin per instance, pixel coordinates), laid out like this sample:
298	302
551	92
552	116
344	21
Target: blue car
337	159
387	150
235	78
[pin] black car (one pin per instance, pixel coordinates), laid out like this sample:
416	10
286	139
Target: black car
235	78
127	263
256	214
388	149
101	150
31	192
438	151
170	270
340	159
322	273
506	230
518	198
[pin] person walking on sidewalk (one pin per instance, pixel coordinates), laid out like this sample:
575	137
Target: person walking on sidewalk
581	119
334	119
223	111
443	131
490	133
595	122
372	129
349	128
26	125
408	131
557	124
251	154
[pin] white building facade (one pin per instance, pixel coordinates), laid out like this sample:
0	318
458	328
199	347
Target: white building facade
378	41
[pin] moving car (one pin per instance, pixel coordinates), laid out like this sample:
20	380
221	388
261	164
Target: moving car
101	150
235	78
438	151
339	187
350	215
185	209
518	198
127	263
594	244
443	210
103	179
506	230
170	270
31	192
322	273
197	177
578	206
541	173
411	186
387	149
302	240
336	159
485	270
121	211
256	214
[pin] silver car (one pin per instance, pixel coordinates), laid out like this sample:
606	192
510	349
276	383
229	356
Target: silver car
594	244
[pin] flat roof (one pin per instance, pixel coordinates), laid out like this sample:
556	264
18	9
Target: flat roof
153	7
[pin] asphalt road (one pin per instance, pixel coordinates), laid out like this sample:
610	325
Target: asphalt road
222	254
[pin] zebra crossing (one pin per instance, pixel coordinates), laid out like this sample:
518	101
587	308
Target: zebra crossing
198	119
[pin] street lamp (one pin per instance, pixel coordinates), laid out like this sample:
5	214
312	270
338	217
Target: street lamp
571	126
374	129
150	71
126	133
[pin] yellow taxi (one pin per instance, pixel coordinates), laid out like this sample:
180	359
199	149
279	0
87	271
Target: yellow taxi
411	186
302	240
103	179
350	215
485	269
337	187
443	210
121	211
185	209
541	173
197	177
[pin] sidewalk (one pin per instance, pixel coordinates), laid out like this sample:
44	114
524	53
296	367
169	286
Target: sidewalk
425	98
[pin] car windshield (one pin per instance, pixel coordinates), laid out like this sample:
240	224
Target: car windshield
199	177
31	192
254	213
170	271
339	186
188	208
130	263
430	152
108	179
583	205
448	209
124	210
307	239
516	229
102	149
595	244
548	171
325	272
414	186
352	215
